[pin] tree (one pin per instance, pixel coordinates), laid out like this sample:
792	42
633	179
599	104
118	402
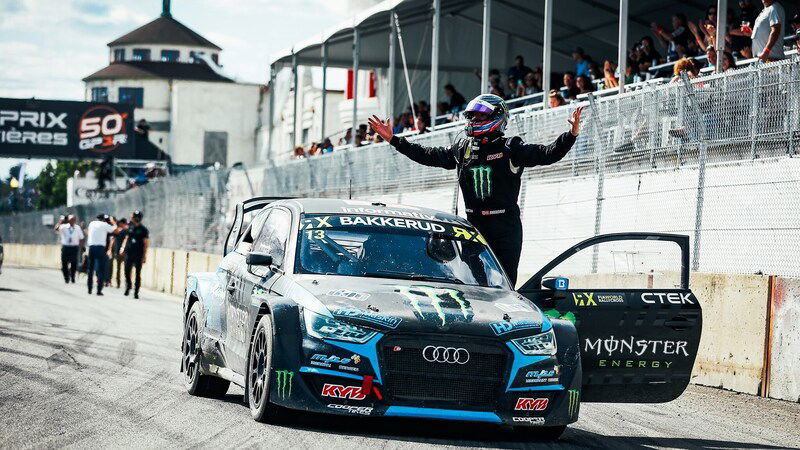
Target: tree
52	181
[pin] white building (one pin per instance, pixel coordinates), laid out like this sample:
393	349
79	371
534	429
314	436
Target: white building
172	75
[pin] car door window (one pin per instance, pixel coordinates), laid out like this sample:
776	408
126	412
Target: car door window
274	236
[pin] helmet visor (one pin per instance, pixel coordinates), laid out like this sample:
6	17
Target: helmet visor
478	105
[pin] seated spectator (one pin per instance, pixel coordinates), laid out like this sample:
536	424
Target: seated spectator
518	70
711	56
530	86
404	124
570	89
327	146
768	32
650	56
513	88
538	77
556	99
581	62
671	40
347	138
314	149
609	79
361	135
299	153
584	84
687	65
594	71
728	62
457	101
422	127
496	88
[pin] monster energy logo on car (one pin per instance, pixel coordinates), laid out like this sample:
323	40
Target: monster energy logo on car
443	301
482	181
574	398
284	380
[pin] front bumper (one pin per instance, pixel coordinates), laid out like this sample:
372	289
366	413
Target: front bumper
343	378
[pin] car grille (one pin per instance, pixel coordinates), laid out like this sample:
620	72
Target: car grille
409	379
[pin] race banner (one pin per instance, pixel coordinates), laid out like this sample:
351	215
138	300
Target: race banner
65	129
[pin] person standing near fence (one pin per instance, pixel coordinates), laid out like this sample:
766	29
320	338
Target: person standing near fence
134	250
97	240
70	235
768	31
490	169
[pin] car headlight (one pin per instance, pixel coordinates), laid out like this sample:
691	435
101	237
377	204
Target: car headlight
540	344
328	328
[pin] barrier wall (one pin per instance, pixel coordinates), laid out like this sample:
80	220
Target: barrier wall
751	323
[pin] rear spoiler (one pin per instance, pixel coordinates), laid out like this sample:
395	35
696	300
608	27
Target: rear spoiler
250	205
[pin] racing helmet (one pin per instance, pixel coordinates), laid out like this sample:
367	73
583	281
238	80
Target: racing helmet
497	111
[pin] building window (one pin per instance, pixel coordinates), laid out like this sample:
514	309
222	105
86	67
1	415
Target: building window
134	96
141	54
119	54
170	55
215	58
193	57
100	94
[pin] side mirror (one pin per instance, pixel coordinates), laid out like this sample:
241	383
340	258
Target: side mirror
259	259
558	286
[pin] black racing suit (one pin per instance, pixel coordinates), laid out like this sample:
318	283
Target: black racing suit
490	173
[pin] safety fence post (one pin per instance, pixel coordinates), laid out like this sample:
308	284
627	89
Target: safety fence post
755	113
701	136
599	168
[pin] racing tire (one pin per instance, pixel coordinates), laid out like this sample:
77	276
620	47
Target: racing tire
259	368
195	382
542	434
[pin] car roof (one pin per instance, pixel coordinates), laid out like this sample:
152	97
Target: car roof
365	207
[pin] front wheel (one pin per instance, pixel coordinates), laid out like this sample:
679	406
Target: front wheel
543	434
259	366
195	382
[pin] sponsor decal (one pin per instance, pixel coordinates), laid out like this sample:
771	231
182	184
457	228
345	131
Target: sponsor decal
48	123
610	298
258	290
442	304
634	363
461	233
101	129
674	298
448	355
323	360
494	156
315	222
482	181
562	284
388	212
339	391
396	222
630	345
512	307
529	420
573	402
283	380
352	295
531	404
368	316
555	314
543	375
593	298
363	410
584	299
508	326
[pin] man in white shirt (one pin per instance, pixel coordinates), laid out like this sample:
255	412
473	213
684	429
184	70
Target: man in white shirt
70	236
97	239
768	32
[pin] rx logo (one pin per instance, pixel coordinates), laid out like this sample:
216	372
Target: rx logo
482	181
584	299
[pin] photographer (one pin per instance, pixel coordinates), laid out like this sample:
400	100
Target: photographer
97	239
70	236
134	250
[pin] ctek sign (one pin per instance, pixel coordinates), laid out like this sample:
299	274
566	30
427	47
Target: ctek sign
64	129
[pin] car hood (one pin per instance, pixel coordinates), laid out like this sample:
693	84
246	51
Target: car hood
420	307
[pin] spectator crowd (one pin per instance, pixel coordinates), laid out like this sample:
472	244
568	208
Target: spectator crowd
755	29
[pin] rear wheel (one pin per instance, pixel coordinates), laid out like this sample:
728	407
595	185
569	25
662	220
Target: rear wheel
259	367
541	433
195	382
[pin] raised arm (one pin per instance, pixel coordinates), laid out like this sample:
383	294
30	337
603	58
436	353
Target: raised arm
445	158
529	155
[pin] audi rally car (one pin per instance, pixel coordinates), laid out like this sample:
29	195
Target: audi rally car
356	308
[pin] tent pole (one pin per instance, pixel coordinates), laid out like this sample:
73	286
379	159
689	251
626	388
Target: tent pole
294	105
405	66
547	49
324	90
356	56
435	63
392	62
622	46
487	30
271	112
722	25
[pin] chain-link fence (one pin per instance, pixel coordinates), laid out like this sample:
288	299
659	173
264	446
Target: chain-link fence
714	159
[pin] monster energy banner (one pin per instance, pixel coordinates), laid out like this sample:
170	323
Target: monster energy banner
64	129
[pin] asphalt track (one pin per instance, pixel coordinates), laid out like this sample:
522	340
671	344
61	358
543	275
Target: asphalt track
90	372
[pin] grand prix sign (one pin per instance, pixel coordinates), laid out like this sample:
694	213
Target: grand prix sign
64	129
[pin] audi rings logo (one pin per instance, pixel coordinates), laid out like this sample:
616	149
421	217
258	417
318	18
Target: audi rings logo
449	355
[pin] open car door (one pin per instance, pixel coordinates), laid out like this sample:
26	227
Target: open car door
638	345
237	227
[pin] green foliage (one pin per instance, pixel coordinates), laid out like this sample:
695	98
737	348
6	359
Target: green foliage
52	182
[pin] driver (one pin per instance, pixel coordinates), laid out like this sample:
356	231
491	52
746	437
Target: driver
489	170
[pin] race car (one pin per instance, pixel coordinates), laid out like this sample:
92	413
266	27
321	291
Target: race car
357	308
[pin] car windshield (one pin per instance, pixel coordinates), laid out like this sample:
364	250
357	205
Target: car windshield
393	247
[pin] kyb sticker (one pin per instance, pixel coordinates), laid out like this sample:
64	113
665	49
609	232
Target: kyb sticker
612	346
346	392
352	295
531	404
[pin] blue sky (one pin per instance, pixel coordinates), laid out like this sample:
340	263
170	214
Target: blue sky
48	46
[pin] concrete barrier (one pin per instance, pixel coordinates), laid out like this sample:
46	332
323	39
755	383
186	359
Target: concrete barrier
784	348
179	272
